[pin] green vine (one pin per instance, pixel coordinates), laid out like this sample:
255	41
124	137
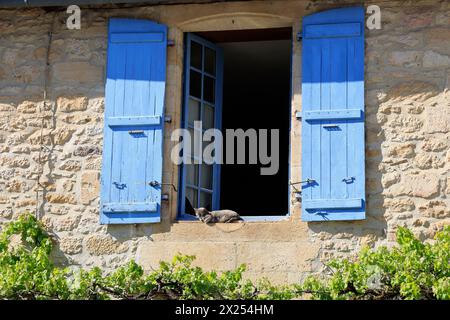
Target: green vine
411	270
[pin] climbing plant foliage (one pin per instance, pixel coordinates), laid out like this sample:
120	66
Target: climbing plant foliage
410	270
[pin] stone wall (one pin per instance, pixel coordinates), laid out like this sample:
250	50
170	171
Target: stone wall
50	153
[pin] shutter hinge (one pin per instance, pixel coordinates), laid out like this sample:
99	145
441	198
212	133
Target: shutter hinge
298	115
170	43
165	197
299	36
168	119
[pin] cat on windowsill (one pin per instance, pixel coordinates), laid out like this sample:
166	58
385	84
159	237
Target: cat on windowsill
217	216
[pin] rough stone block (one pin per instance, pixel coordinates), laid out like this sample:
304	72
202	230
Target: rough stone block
276	256
399	204
421	185
71	245
102	244
60	198
435	209
69	104
77	72
70	165
433	59
90	186
209	255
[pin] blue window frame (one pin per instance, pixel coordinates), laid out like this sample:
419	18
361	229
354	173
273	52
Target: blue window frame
202	102
197	68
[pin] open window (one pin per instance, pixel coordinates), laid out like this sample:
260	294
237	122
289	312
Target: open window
238	80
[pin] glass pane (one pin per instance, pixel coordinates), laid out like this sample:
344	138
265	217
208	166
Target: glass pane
209	155
192	173
191	195
207	176
195	84
192	150
209	89
206	200
196	55
193	111
208	117
210	61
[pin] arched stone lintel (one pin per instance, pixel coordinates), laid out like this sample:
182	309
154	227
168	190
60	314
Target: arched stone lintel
235	21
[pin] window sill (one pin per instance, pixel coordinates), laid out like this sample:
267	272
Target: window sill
190	218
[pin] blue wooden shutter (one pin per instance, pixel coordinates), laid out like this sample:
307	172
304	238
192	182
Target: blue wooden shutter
333	115
133	133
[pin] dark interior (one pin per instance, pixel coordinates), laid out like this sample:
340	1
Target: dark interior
256	94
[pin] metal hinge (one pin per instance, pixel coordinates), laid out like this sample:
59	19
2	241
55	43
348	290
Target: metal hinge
165	197
136	131
298	115
170	43
299	36
330	126
168	119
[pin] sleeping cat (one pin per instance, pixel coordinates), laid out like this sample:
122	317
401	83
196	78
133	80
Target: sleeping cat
218	216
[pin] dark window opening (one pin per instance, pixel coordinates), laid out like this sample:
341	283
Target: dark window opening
256	95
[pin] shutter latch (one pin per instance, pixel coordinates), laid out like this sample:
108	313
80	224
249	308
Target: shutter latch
304	181
119	185
348	180
298	193
155	183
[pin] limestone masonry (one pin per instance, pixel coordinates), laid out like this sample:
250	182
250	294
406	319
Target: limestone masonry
407	83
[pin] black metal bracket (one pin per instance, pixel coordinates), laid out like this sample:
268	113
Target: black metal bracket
157	184
304	181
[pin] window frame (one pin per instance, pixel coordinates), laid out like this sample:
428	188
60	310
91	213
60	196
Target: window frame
181	215
215	190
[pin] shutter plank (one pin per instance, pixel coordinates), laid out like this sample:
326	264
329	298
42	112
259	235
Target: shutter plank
316	102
